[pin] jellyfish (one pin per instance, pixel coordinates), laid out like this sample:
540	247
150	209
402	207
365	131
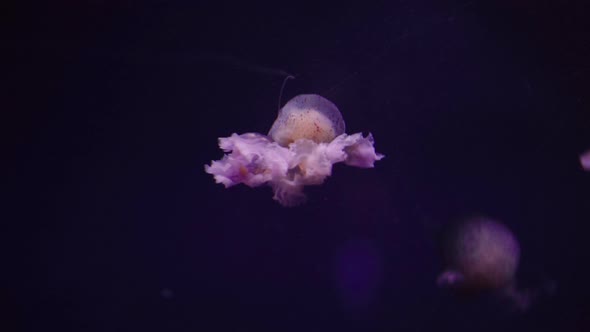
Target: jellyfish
482	255
306	139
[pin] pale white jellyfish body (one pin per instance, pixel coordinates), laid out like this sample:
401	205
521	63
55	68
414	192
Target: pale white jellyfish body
306	139
483	255
309	116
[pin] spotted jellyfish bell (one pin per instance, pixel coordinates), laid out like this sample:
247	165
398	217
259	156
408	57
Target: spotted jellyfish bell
310	117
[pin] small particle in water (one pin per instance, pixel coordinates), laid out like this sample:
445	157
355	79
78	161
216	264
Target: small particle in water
166	293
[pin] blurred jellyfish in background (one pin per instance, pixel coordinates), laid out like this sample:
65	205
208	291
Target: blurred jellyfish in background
482	255
585	160
358	273
306	139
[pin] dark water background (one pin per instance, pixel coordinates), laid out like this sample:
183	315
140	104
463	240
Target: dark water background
479	107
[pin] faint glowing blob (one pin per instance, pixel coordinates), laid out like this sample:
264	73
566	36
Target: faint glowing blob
306	139
166	293
482	254
585	160
358	274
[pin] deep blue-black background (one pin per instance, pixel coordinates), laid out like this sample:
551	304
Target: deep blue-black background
479	107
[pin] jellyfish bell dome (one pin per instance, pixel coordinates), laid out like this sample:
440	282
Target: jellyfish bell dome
480	254
307	116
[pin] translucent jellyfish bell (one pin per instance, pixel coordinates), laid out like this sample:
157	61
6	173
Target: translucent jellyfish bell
306	139
482	255
310	117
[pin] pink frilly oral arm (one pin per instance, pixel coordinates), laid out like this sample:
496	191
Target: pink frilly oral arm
253	159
